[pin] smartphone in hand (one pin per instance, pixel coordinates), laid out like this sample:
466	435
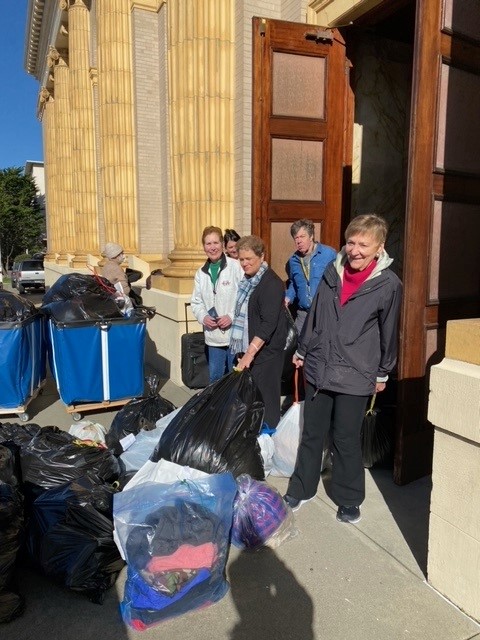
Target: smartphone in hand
213	313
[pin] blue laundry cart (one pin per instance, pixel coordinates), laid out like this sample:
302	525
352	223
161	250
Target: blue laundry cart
97	364
22	364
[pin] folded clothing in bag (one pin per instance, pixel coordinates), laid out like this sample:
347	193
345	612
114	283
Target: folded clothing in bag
175	539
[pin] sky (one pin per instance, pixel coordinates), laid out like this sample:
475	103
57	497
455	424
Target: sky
20	130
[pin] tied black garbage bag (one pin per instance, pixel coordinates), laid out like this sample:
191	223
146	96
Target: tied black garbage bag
75	296
91	306
217	429
73	285
70	537
14	308
140	414
11	536
55	457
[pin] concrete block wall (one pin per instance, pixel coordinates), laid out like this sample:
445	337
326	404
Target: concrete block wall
454	410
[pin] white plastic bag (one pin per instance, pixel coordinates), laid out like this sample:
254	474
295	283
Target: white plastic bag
145	442
286	441
267	449
88	430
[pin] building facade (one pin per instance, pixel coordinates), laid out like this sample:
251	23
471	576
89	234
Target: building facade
163	116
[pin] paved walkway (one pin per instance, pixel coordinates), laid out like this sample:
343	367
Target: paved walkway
330	582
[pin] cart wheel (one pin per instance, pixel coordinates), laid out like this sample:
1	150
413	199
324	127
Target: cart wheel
76	416
24	417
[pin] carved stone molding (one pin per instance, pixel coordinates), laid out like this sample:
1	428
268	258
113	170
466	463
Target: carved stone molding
44	95
147	5
94	76
52	57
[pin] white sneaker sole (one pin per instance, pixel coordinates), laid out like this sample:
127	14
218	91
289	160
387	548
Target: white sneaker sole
349	521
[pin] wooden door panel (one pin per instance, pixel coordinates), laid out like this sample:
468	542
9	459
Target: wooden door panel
300	77
443	213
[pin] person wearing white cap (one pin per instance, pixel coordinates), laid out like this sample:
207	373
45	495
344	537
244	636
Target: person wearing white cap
112	270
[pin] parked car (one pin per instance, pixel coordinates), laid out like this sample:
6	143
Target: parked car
28	274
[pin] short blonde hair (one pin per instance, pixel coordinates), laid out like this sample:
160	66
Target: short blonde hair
251	243
370	223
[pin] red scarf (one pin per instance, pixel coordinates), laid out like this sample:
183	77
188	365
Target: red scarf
353	280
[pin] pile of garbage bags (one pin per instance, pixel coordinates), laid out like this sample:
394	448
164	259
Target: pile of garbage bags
75	296
71	507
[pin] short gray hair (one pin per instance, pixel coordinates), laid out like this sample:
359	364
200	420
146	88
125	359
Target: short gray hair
303	223
370	223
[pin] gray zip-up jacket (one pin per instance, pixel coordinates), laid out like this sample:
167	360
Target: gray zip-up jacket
346	349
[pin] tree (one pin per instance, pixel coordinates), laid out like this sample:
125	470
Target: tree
21	221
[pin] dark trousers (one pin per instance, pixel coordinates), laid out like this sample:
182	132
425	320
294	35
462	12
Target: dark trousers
268	378
344	414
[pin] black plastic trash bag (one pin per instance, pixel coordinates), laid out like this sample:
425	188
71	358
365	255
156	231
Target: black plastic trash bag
140	414
55	457
76	296
11	536
290	348
70	537
217	429
90	306
14	308
73	285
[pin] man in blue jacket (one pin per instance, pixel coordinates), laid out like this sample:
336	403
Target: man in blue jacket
305	268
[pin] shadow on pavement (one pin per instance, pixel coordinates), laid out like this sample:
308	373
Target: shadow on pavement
269	600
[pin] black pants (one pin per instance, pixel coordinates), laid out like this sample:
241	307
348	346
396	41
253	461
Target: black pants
268	378
344	414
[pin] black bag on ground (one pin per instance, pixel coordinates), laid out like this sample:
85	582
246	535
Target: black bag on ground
194	364
70	537
11	536
217	429
140	414
377	438
54	457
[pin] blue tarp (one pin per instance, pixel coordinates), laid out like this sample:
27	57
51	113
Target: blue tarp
22	360
98	361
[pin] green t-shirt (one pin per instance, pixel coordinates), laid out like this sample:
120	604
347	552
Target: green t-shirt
214	270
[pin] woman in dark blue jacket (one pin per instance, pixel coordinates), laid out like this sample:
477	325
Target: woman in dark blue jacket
347	348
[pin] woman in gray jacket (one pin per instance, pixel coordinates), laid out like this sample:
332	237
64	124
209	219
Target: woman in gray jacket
347	348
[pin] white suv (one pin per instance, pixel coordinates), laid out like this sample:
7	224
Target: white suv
28	274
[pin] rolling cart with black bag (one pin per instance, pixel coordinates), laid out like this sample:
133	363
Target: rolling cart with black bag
98	363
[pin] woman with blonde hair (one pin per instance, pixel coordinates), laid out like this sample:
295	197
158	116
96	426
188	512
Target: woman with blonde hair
347	348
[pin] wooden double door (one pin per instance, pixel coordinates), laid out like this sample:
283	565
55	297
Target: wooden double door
303	120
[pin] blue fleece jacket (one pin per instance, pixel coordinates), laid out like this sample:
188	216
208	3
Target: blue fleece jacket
299	290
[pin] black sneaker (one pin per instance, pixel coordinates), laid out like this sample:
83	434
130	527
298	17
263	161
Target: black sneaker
349	514
295	503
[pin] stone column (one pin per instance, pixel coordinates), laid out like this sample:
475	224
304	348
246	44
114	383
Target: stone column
63	144
83	134
201	93
47	110
116	115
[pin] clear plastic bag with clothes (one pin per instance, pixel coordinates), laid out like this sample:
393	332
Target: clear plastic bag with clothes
175	540
261	517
